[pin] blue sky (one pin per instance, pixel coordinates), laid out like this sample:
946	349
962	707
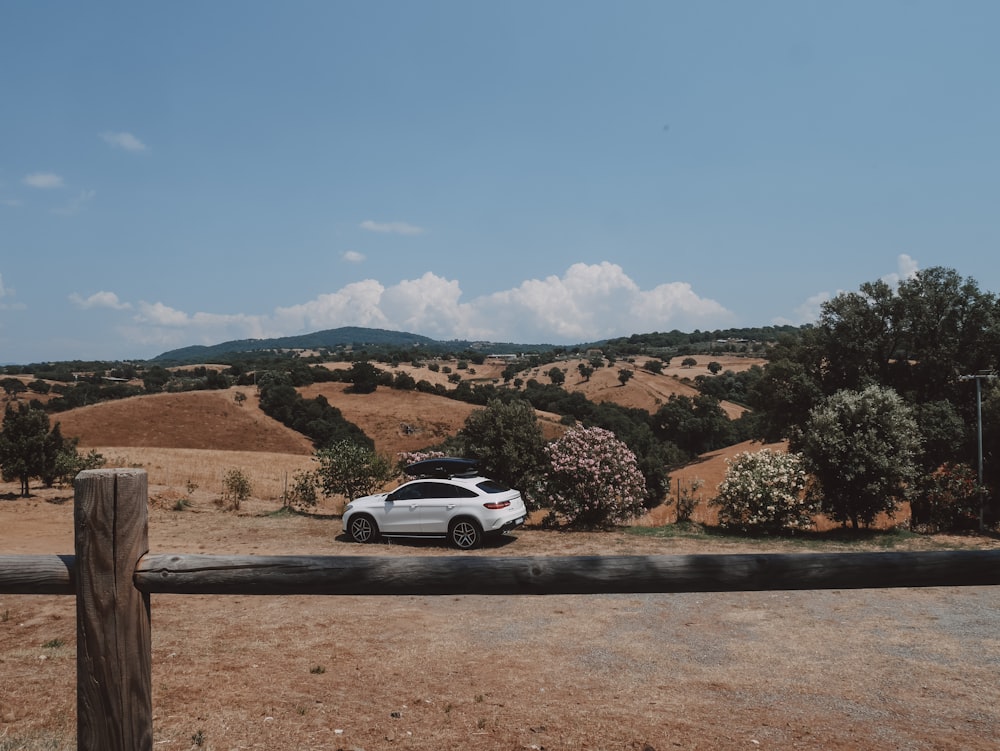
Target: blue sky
544	172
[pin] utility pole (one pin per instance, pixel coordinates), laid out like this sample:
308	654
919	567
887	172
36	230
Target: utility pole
978	378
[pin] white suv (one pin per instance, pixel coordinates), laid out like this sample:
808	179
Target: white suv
452	502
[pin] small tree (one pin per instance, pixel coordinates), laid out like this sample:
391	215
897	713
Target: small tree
593	479
945	499
861	447
714	368
13	386
302	494
585	370
687	499
364	376
236	488
653	366
764	491
349	469
624	375
23	444
507	441
556	375
688	362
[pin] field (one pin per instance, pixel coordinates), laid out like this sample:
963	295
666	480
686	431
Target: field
864	669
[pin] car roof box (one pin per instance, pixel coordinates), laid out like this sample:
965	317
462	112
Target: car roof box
446	466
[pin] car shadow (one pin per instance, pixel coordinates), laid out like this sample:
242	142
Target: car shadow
423	543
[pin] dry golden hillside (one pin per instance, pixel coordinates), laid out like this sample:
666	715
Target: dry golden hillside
192	438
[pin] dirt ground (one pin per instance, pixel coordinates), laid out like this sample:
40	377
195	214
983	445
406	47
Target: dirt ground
864	669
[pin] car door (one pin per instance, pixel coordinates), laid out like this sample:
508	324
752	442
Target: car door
447	501
403	510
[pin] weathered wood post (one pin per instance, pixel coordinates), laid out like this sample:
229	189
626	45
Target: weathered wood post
114	674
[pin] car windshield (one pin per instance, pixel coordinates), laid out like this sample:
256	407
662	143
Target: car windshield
492	486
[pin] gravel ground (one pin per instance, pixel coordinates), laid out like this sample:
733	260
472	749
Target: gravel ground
856	669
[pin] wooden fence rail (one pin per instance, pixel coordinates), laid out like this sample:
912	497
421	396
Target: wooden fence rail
112	576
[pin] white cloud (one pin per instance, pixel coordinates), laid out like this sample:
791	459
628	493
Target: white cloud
587	303
392	228
809	311
592	302
159	314
43	180
123	140
357	304
100	299
906	268
353	256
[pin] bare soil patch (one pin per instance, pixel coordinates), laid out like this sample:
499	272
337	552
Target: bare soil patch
866	669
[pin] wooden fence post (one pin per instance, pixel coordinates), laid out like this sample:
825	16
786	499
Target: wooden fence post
114	674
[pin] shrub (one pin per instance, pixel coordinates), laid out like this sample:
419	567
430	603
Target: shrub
352	470
236	487
302	494
594	479
687	499
764	491
945	500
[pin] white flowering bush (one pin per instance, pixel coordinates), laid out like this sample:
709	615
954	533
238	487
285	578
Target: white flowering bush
593	479
764	491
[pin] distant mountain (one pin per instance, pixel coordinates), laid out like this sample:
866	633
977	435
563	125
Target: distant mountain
353	336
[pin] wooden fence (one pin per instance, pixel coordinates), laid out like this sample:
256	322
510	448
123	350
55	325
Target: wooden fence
112	576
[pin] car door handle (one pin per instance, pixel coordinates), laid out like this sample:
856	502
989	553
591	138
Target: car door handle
451	506
413	507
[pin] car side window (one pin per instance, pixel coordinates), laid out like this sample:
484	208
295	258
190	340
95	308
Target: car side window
411	492
439	490
461	492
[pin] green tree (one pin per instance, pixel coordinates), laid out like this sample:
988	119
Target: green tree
349	469
556	375
39	387
507	441
714	368
861	448
236	488
154	379
653	366
625	375
783	396
364	378
13	386
23	444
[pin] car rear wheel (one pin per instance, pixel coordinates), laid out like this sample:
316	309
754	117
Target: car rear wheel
465	534
363	529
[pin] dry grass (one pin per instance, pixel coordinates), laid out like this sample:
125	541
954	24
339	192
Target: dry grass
904	669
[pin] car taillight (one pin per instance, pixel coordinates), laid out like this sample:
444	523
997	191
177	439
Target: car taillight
495	506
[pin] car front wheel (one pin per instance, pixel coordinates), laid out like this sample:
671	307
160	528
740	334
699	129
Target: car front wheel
363	529
465	534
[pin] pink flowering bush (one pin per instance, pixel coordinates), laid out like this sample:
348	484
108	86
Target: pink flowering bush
593	479
405	458
764	491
